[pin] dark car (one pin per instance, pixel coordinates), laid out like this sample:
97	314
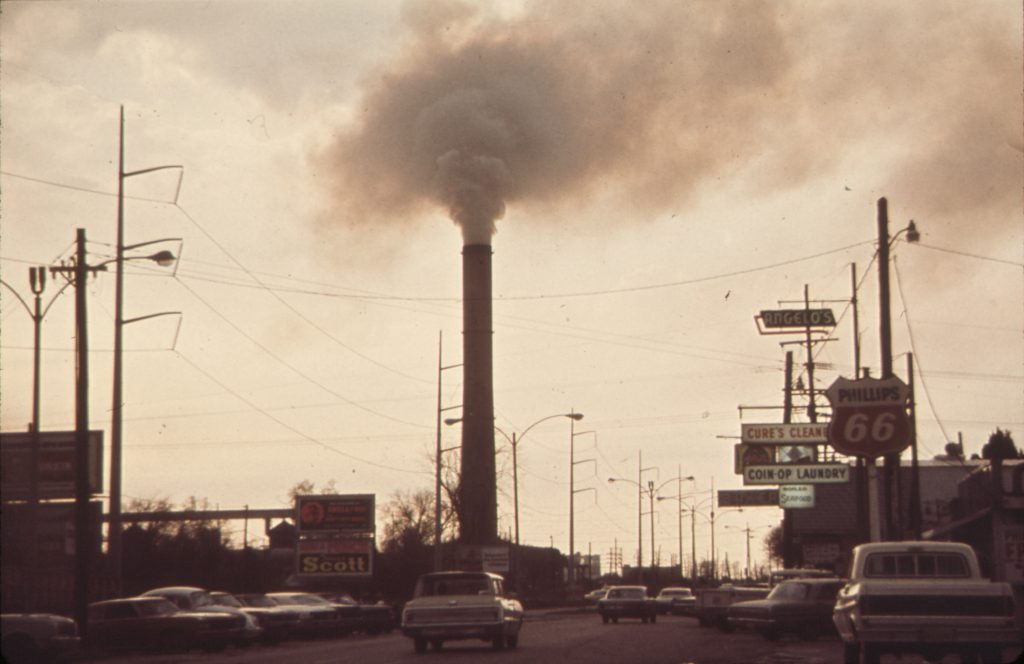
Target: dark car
627	602
313	620
326	618
155	623
802	607
361	617
189	598
278	622
35	637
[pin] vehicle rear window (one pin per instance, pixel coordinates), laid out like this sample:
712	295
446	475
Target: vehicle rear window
916	565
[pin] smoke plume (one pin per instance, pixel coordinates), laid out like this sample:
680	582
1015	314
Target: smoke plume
648	102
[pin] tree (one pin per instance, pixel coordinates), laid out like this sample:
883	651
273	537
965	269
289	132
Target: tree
409	524
1000	446
774	545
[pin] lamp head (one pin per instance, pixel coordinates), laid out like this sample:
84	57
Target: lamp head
912	234
164	258
575	416
452	420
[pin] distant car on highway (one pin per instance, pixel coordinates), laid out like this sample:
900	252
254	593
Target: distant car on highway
35	637
190	598
627	602
802	607
594	595
156	624
361	617
677	601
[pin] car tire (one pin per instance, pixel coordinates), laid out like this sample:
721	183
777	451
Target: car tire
19	648
604	619
498	642
512	641
419	645
769	634
654	618
851	653
615	620
437	644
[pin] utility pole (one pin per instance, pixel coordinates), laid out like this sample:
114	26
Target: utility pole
83	522
891	461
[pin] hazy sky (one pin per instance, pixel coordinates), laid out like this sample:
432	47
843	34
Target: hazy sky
654	175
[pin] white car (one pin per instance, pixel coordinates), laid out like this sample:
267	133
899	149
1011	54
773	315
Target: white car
677	601
449	606
189	598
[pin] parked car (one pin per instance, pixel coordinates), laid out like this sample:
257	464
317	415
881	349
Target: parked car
802	607
448	606
189	598
594	595
676	601
367	618
34	637
627	602
329	619
277	622
314	620
155	623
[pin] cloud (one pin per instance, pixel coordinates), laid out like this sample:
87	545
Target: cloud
555	104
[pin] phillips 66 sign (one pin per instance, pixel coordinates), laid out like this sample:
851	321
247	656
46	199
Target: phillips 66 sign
869	416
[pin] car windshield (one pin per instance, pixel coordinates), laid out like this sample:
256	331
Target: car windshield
226	600
259	601
675	593
161	607
454	585
627	593
201	599
793	590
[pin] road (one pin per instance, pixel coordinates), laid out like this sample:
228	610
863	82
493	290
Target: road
547	638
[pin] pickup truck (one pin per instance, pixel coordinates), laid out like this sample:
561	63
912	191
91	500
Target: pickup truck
452	606
927	598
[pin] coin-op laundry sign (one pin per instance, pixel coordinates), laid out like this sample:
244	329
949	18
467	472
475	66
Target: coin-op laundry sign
797	473
869	416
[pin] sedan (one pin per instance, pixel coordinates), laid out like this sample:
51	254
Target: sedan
677	601
278	622
802	607
155	623
627	602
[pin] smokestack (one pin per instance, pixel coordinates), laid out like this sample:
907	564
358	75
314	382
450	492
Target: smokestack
478	486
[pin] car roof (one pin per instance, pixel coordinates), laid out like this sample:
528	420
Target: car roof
123	600
176	590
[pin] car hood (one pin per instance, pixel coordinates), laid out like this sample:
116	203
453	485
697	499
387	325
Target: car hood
462	601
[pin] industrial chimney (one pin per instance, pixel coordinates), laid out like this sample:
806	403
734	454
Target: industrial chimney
478	485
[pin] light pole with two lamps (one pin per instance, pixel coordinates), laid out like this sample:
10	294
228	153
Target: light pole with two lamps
162	258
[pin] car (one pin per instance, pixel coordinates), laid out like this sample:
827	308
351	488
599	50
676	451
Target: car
277	622
315	619
329	619
190	598
802	607
155	623
675	601
367	618
627	602
449	606
594	595
34	637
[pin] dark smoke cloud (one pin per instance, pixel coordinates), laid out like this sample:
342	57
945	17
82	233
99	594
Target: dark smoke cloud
650	101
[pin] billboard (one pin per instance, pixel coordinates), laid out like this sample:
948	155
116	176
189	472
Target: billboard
55	471
353	513
335	556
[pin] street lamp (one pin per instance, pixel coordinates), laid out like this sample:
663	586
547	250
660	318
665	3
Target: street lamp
161	258
679	498
651	490
639	508
514	441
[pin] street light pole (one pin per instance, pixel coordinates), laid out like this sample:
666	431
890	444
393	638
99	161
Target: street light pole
115	525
